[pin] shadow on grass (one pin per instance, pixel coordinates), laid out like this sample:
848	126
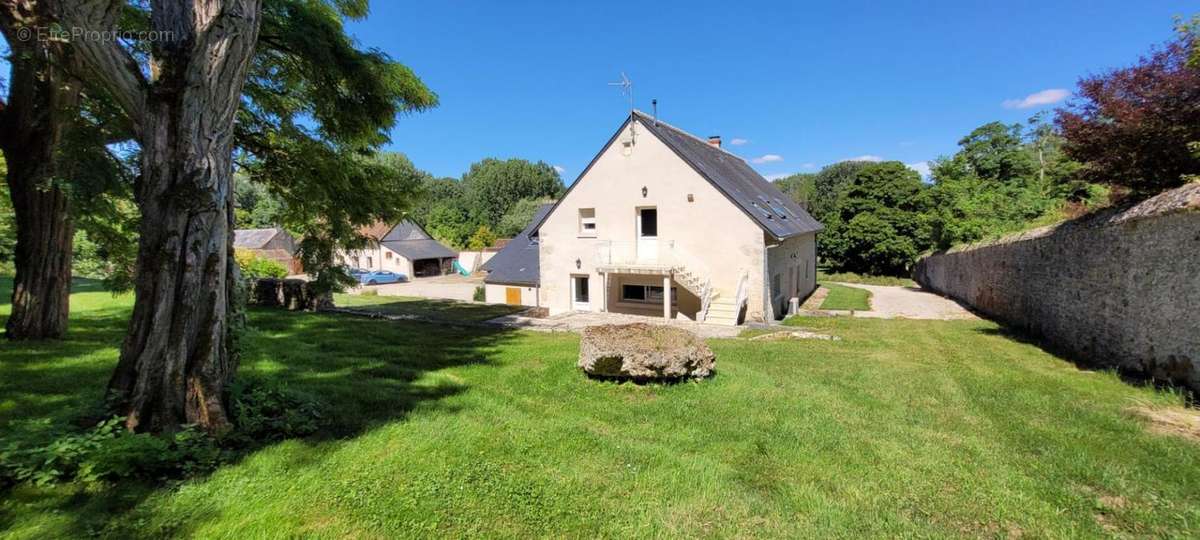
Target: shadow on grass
1132	377
365	372
450	311
61	379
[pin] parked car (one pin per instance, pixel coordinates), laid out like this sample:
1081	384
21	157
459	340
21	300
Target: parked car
356	273
378	277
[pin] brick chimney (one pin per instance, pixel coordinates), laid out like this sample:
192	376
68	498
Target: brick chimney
715	140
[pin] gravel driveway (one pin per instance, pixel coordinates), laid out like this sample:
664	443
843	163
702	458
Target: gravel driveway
451	287
910	303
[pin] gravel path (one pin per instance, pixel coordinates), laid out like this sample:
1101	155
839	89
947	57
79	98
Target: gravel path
451	287
909	303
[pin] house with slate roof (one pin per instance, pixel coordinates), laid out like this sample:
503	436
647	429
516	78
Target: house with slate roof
275	244
663	223
512	274
404	248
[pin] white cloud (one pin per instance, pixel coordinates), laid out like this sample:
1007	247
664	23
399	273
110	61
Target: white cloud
922	168
560	169
809	165
767	158
738	142
867	157
774	177
1038	99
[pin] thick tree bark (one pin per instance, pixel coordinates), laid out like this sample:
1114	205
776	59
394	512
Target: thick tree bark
177	357
42	102
42	285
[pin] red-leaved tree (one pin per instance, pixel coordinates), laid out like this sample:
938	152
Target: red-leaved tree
1138	127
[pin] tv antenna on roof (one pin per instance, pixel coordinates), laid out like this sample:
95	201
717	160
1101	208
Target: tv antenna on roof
626	88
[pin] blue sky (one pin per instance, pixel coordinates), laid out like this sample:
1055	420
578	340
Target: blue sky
807	84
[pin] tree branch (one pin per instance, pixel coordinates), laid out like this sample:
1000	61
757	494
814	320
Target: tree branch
103	57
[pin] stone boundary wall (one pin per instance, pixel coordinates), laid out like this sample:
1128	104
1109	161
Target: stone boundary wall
1119	288
289	294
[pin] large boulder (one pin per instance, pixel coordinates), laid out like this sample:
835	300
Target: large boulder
644	352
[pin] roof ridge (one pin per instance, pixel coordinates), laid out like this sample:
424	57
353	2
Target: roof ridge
643	115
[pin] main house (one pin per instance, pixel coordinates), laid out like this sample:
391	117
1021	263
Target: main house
663	223
404	248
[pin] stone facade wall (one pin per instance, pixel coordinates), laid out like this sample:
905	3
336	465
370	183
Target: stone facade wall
1120	288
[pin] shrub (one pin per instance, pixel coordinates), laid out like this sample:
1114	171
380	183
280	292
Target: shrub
51	454
43	454
482	238
265	412
480	294
255	267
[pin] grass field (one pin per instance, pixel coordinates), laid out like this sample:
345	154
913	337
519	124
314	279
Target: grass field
425	308
842	297
901	428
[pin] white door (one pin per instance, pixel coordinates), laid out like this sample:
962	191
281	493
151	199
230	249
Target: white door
647	234
580	300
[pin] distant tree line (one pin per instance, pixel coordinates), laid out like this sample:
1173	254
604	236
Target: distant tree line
1129	133
494	199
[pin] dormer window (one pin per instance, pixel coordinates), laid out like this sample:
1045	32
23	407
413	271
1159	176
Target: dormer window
587	222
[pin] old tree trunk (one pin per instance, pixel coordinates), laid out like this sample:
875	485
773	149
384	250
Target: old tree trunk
41	103
177	358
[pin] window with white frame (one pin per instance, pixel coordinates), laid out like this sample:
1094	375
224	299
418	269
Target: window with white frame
587	222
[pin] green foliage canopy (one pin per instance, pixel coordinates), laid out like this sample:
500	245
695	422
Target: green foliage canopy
801	187
518	217
880	224
492	187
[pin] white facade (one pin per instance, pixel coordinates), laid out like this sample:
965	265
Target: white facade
642	232
519	295
472	260
377	257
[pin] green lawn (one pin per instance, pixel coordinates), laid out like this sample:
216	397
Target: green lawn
842	297
901	428
426	308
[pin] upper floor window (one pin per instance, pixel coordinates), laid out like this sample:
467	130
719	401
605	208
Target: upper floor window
587	222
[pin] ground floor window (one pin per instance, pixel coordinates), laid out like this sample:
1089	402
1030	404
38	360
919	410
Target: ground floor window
646	294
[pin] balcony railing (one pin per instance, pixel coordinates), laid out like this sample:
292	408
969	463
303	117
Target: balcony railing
646	253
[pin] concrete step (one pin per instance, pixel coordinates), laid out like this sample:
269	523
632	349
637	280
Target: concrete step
721	321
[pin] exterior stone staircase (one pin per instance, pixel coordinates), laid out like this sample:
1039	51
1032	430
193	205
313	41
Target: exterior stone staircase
723	311
714	309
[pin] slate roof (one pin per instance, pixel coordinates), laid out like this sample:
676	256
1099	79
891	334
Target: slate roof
774	212
253	238
517	263
413	243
